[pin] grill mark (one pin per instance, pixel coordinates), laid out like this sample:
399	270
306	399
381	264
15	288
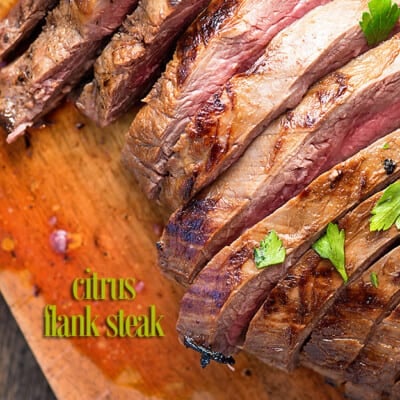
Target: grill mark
200	33
190	224
334	88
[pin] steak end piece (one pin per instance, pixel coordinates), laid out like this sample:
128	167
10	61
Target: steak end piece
36	82
131	62
218	306
20	22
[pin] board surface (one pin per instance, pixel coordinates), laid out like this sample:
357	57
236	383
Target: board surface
67	176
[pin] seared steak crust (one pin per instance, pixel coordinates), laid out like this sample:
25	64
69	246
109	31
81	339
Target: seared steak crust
223	128
218	306
132	60
341	114
225	40
20	22
294	307
34	84
341	334
376	368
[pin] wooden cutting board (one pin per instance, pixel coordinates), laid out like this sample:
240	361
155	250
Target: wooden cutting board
67	176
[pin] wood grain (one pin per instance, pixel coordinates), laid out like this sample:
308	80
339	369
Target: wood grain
20	375
68	176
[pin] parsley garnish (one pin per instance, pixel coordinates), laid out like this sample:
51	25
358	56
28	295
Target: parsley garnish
374	279
387	210
386	146
380	21
331	247
270	252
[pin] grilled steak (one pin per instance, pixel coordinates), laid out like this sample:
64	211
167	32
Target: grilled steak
341	114
222	129
293	308
225	40
20	22
218	306
63	52
395	392
132	60
377	366
340	335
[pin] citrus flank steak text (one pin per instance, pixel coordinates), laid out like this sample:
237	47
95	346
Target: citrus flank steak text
88	324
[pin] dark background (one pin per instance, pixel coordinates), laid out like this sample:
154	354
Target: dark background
20	375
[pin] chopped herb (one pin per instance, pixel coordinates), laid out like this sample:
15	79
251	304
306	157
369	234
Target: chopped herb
374	279
331	247
380	21
387	210
386	146
389	166
270	252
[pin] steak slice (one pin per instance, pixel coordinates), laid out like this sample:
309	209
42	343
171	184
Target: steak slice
132	60
218	307
395	392
35	83
294	307
341	114
222	129
341	334
226	39
20	22
376	368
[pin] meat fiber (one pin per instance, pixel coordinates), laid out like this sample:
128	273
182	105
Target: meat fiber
377	367
341	114
323	40
225	40
132	60
341	334
295	306
36	82
20	22
218	307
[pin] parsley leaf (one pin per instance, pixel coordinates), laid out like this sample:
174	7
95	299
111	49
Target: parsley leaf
331	247
379	22
374	279
387	210
386	146
270	252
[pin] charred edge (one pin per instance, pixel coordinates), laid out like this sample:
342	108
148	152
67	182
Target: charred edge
333	88
188	186
200	33
206	120
190	223
207	355
330	95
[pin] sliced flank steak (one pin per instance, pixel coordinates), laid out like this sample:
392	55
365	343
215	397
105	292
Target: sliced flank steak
323	40
131	62
226	39
341	334
341	114
20	22
297	303
377	367
36	82
218	307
